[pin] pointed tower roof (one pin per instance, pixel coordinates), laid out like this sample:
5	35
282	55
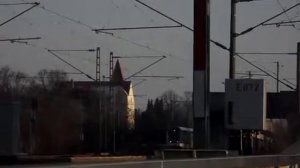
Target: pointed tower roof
117	75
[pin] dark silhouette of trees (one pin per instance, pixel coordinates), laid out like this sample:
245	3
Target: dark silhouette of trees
48	79
51	119
58	124
12	84
177	108
167	111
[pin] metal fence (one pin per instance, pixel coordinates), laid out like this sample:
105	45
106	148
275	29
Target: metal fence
225	162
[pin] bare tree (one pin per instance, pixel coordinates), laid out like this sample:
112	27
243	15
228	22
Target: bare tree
6	76
12	83
42	77
174	109
50	78
59	124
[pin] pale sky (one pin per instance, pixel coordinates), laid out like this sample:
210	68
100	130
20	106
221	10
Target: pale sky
176	44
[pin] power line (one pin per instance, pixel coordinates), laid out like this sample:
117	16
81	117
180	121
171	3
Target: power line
74	73
143	56
63	60
75	50
7	21
143	69
179	23
158	76
166	16
265	21
283	22
136	28
250	74
22	18
257	67
67	18
290	82
107	33
13	4
20	39
214	42
266	53
287	16
147	47
252	64
141	10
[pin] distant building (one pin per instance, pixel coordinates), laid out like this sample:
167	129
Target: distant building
110	110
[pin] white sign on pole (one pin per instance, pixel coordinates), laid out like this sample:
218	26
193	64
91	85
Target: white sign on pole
245	104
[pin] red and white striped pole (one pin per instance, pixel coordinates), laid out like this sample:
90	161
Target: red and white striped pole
298	76
201	73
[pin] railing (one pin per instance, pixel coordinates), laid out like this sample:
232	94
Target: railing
225	162
190	153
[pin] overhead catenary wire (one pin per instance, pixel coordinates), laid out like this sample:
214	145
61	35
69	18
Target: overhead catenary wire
44	48
132	42
118	37
215	42
243	32
141	10
68	18
77	50
287	16
266	53
259	68
20	39
282	23
179	23
136	28
20	3
35	4
267	20
74	50
14	12
166	16
143	69
142	56
146	47
63	60
74	73
106	33
158	76
250	74
266	69
290	82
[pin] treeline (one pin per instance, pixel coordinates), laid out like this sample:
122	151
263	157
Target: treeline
51	119
15	84
163	113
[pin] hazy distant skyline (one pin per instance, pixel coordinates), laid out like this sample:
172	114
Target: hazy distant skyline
176	44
